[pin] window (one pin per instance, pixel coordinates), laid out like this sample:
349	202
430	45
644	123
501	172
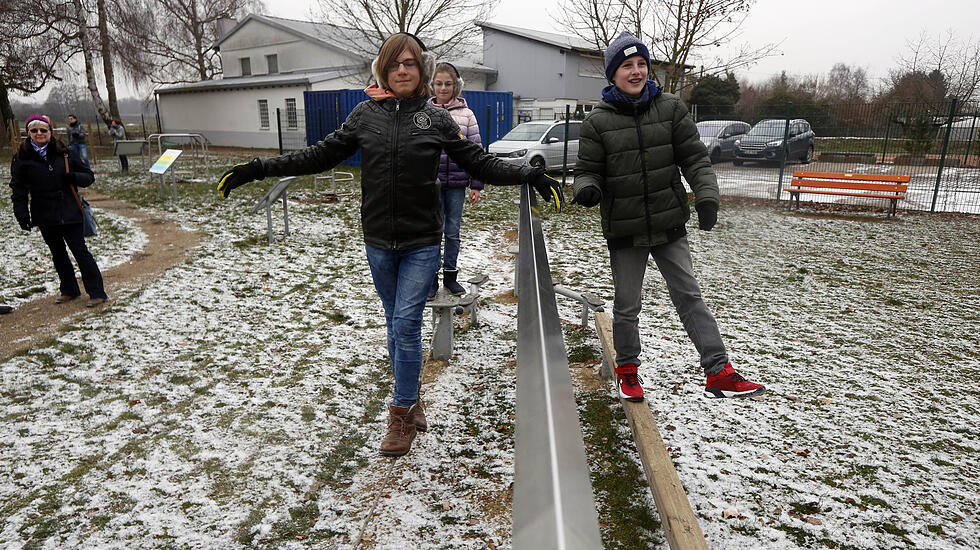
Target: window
592	66
272	61
246	65
573	131
291	113
264	114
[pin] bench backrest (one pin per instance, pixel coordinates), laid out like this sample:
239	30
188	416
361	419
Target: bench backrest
864	182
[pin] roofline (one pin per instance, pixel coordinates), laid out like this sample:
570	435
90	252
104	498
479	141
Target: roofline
272	21
511	30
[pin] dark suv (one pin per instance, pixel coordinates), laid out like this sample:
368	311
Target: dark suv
764	142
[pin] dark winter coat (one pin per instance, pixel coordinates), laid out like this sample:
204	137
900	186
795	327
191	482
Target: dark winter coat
400	142
451	175
632	154
76	133
41	195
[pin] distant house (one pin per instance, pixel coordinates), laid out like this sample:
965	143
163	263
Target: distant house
554	71
267	64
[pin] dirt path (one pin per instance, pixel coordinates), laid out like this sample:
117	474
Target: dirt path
167	244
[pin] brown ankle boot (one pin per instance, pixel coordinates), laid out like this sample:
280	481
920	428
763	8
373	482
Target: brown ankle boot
418	416
401	431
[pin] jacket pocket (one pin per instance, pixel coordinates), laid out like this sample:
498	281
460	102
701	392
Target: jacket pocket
371	129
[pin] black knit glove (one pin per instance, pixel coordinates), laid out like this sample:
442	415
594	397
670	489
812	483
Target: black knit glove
587	196
25	224
549	189
707	214
239	175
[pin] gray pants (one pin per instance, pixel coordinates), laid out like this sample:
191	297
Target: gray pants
674	262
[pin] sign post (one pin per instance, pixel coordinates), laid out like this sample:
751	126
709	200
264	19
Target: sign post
164	163
275	193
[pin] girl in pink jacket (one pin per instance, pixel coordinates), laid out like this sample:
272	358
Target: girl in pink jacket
448	85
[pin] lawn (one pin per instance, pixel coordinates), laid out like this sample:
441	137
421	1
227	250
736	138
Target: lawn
238	401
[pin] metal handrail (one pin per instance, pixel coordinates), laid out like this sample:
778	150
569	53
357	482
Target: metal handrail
197	139
553	503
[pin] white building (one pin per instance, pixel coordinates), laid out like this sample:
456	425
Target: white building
268	62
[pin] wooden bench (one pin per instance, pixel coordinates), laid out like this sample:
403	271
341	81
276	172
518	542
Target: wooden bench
876	186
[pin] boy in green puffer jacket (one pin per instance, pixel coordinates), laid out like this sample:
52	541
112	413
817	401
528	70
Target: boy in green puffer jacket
630	150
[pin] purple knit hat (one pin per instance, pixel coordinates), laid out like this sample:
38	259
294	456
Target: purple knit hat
42	118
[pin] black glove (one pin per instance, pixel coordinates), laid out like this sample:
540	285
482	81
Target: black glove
707	214
549	189
25	224
239	175
587	196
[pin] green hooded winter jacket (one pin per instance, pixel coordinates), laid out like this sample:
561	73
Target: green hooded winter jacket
633	160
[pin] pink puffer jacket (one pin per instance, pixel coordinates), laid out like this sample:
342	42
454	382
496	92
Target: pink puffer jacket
449	174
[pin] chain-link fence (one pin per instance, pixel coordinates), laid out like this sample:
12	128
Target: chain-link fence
936	144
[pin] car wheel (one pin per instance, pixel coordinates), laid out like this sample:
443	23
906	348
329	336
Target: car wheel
537	162
808	156
715	155
736	162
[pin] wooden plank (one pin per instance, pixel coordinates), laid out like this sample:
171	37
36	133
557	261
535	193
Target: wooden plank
851	176
681	528
842	193
603	326
891	187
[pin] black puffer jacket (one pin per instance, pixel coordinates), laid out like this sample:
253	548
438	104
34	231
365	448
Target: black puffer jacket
400	141
41	195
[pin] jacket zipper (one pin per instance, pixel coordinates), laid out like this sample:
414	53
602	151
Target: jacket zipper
391	187
643	166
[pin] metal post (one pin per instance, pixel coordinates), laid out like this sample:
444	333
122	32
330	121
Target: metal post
969	142
173	180
268	219
782	161
942	158
279	129
888	128
143	123
564	158
285	213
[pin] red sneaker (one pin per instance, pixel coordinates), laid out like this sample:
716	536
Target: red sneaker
629	383
729	383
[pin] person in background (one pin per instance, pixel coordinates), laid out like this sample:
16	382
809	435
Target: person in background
76	138
118	132
43	172
447	85
632	148
401	136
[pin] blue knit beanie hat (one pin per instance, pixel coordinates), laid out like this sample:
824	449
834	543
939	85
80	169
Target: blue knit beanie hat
624	46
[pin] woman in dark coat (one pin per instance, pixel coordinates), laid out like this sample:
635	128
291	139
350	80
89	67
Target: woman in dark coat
43	173
400	135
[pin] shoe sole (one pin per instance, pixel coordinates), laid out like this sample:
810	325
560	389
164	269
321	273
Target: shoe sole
712	393
631	398
398	453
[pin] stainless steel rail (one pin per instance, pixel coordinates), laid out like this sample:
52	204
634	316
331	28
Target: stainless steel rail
553	503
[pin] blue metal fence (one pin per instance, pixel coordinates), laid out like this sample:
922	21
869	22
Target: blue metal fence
327	110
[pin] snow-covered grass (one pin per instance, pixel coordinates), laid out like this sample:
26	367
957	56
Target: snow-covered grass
238	401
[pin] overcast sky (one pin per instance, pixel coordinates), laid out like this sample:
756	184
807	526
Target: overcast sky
813	35
862	33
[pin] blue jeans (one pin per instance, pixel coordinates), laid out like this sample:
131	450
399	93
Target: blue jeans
402	279
80	150
56	237
452	215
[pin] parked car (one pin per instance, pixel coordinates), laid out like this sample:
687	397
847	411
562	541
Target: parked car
719	137
764	142
539	143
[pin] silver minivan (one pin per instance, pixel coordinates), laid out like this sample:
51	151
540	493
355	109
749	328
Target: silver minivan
539	143
719	137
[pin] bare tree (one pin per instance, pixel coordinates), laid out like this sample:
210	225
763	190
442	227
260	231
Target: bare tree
105	50
172	41
680	33
957	60
446	26
31	50
844	84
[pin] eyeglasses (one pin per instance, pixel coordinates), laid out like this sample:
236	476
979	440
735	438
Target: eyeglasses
39	130
408	64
